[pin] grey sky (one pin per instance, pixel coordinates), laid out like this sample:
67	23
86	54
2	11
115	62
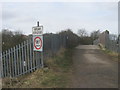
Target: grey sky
57	16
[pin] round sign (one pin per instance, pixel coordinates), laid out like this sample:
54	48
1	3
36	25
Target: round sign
37	43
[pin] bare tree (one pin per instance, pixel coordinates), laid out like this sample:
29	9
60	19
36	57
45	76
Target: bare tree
95	34
18	32
82	33
10	38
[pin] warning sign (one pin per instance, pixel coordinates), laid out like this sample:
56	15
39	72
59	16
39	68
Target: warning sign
38	42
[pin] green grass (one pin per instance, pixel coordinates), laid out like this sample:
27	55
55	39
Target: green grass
54	80
64	62
60	66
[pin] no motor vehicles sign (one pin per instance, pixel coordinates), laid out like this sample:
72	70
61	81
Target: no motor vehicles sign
38	42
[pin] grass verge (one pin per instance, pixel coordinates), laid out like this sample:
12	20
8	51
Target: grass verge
56	75
112	54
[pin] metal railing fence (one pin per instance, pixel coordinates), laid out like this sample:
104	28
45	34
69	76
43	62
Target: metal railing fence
20	59
109	41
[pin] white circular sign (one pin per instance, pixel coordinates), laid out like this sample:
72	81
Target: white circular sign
37	43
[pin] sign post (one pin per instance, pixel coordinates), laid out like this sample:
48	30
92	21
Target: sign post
37	32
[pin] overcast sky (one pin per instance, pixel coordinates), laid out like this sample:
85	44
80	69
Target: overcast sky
57	16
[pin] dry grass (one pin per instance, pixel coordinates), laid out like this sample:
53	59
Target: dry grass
112	54
56	75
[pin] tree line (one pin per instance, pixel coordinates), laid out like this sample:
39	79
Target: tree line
12	38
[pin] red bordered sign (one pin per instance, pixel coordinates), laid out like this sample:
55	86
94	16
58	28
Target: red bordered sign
38	43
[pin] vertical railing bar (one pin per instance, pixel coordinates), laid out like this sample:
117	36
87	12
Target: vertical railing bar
7	72
15	70
33	65
23	59
41	62
20	59
36	59
17	59
12	63
39	59
28	63
1	67
4	69
10	74
31	54
5	64
33	60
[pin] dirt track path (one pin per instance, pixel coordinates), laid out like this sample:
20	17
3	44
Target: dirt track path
93	69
